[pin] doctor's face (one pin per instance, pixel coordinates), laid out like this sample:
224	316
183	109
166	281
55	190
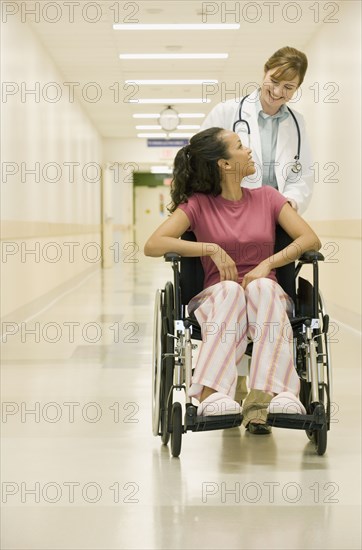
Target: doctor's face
275	93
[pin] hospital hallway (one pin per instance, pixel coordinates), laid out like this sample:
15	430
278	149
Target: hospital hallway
83	469
102	106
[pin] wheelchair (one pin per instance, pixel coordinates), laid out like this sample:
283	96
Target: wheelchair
175	331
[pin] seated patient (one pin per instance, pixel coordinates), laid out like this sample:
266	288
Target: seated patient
235	231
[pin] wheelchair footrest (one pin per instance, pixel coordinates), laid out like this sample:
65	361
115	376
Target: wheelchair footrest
296	421
221	422
196	423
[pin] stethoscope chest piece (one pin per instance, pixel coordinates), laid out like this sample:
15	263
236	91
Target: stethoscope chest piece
296	168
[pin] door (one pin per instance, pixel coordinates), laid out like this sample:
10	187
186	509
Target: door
150	211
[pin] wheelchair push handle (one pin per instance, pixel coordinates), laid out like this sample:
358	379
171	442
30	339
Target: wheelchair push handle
311	256
172	257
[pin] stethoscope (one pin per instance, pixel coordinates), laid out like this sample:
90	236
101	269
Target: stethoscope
297	165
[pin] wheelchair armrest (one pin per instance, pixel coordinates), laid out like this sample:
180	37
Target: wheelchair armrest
310	256
172	257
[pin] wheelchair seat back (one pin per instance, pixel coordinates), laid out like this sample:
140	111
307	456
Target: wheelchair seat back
192	272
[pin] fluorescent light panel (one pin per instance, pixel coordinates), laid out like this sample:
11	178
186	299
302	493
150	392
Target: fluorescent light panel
169	101
176	26
164	135
149	127
150	135
173	56
157	115
158	127
188	127
203	81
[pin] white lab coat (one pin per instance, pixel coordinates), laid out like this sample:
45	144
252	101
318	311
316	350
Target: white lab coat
297	186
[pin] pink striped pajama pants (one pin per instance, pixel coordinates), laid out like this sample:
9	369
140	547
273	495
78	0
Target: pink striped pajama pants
228	315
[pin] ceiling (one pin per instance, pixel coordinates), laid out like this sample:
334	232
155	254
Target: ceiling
88	52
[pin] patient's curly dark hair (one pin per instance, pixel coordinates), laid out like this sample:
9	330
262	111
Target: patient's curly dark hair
195	167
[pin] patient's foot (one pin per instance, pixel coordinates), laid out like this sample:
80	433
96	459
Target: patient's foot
218	404
257	427
206	392
286	403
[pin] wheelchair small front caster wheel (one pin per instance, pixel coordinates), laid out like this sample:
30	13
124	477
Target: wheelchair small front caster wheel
176	434
319	437
320	440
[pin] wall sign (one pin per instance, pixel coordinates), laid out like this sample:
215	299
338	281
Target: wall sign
167	142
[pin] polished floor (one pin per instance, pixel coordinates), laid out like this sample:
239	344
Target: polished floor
82	470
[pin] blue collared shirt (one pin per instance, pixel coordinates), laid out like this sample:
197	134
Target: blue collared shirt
268	128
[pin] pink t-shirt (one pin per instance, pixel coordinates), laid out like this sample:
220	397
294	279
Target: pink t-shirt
245	229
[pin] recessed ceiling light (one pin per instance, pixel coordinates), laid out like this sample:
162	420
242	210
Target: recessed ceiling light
149	127
176	26
174	56
191	115
147	115
157	115
168	101
163	82
157	127
188	127
154	135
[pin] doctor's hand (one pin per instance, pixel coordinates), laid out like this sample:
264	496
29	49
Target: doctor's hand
261	270
225	265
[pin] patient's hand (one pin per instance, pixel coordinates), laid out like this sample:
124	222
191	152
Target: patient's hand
261	270
225	265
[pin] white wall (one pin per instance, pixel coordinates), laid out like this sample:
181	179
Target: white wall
54	209
334	127
333	113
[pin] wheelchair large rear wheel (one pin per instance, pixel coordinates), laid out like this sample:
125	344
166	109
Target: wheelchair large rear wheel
157	363
168	362
318	437
162	365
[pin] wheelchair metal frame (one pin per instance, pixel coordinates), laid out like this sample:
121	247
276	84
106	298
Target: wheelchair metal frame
172	364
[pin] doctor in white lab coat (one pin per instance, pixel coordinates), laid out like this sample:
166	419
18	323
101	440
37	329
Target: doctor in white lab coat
273	134
273	139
